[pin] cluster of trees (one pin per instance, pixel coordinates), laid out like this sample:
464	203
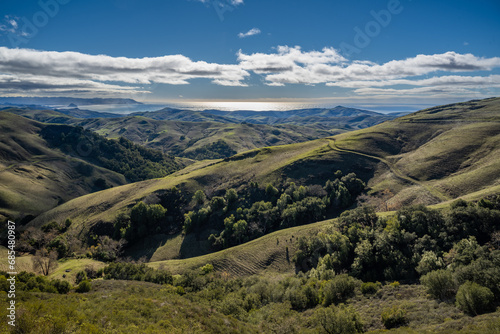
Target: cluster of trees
403	247
136	272
216	150
135	162
34	283
51	240
148	219
144	219
257	211
455	253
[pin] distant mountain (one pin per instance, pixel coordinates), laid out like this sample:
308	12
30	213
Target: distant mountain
180	138
171	114
63	101
79	113
63	116
320	118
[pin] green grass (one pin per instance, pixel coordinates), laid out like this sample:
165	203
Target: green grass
265	255
67	269
35	178
118	307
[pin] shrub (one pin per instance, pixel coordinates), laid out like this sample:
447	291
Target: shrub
439	284
80	276
207	269
62	287
83	287
338	320
370	288
474	299
339	289
394	284
394	317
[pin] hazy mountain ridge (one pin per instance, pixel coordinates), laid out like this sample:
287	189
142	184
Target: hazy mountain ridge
21	100
323	118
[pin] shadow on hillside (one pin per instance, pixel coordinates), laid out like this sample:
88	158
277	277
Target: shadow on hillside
146	247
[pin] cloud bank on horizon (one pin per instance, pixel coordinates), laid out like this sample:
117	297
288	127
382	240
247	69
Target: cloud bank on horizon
28	72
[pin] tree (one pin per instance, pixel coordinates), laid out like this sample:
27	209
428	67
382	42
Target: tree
199	197
83	287
44	261
439	284
429	262
271	192
474	299
231	197
339	289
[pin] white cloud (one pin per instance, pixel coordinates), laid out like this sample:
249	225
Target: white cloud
50	86
174	69
9	24
454	80
251	32
33	72
329	67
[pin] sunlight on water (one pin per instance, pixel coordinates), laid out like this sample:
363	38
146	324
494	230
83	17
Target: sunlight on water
255	106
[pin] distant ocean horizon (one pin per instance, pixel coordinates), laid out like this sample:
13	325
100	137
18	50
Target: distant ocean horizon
232	106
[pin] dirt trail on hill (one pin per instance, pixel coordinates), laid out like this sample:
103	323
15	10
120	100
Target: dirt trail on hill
433	191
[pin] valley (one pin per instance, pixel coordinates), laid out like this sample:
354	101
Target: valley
235	205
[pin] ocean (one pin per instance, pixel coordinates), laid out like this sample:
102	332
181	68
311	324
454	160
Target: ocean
231	106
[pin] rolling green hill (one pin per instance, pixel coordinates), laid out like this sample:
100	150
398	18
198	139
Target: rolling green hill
192	134
34	177
184	138
429	157
42	166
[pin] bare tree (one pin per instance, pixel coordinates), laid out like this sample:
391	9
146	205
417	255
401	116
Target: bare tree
44	261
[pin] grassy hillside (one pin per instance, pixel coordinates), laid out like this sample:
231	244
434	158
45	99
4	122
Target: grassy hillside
42	166
181	138
34	177
445	152
429	157
185	133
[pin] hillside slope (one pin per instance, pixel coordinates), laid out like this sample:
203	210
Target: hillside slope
186	133
34	177
451	151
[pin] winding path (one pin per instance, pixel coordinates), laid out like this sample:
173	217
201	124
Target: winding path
433	191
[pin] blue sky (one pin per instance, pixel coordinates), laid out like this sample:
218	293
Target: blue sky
352	52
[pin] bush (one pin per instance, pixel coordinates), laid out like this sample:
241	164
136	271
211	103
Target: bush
339	289
474	299
62	287
439	284
83	287
80	276
338	320
370	288
394	317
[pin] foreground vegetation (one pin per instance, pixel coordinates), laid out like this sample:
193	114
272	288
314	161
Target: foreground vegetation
421	270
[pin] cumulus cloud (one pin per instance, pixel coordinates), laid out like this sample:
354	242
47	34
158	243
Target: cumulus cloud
251	32
453	80
174	69
46	71
50	86
331	68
